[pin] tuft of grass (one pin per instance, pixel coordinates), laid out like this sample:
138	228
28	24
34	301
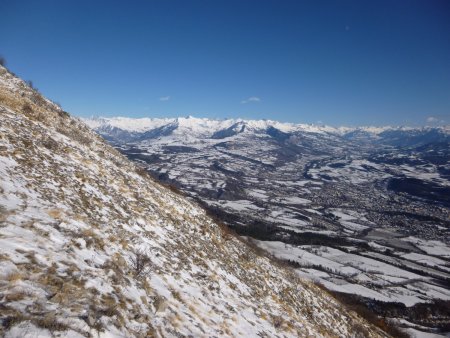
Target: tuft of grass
52	281
92	239
3	213
51	323
32	258
14	277
13	320
176	295
15	296
55	213
159	303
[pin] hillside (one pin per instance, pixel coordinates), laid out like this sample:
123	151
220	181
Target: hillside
90	245
363	211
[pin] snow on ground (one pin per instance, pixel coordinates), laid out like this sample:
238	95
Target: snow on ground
359	274
435	248
90	245
240	205
292	200
420	334
257	193
427	260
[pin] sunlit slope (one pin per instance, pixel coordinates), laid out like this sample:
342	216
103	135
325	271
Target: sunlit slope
89	245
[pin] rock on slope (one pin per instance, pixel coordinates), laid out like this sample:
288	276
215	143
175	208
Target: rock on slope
90	246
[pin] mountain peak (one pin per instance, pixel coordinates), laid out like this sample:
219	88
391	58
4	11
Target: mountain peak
129	129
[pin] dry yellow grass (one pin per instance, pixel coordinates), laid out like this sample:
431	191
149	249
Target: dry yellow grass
4	257
55	213
15	296
14	277
50	322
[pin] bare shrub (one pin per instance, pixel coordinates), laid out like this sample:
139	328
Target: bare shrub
12	320
2	61
38	99
172	187
63	114
50	143
27	110
277	321
141	263
141	171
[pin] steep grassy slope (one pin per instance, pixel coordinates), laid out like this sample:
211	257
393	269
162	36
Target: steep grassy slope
91	246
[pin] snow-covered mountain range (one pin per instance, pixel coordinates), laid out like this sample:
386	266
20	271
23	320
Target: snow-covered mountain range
124	129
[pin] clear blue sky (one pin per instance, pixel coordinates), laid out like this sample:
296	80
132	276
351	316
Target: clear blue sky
339	62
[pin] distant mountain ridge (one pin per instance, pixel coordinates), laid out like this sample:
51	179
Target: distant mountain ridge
124	129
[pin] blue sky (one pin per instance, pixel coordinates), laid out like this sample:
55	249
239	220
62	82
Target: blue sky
337	62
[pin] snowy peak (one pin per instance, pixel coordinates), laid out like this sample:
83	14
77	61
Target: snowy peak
122	129
126	123
196	125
